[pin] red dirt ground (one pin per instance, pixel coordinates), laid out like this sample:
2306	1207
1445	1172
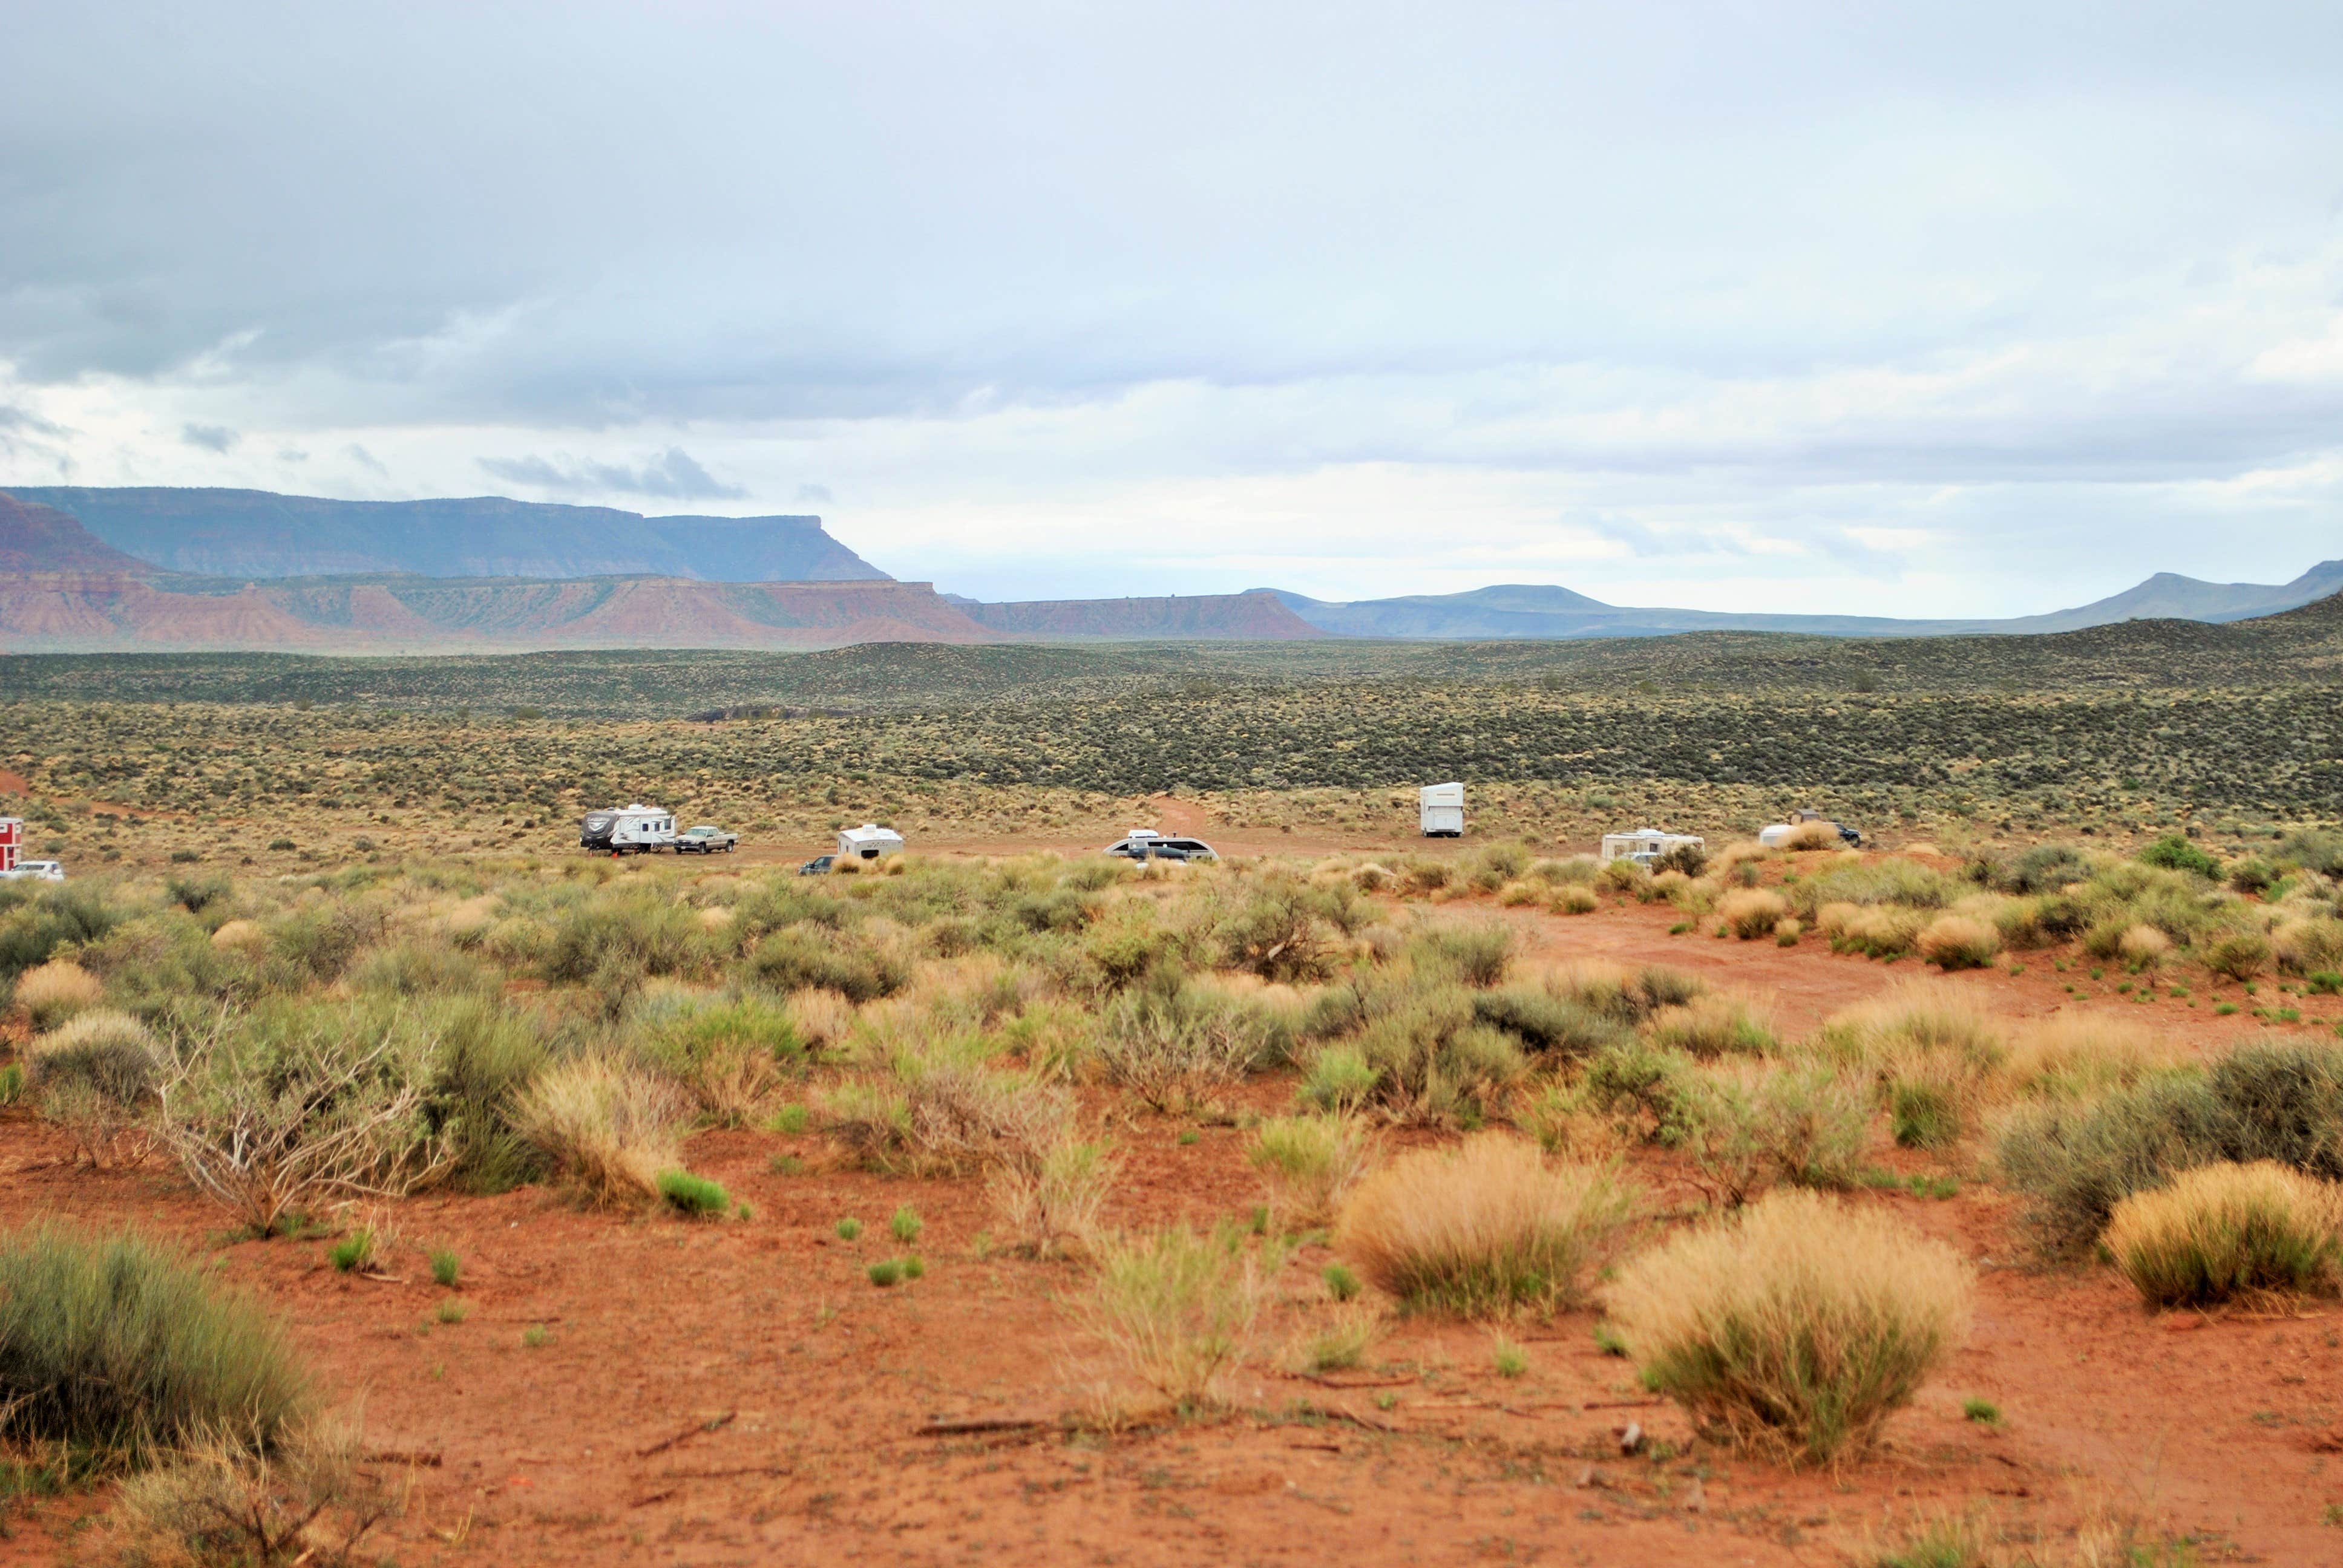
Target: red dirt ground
740	1393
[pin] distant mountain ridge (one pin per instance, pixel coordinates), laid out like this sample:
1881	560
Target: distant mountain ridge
1530	610
261	534
1255	617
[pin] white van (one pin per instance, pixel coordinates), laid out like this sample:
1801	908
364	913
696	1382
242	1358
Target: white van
1441	810
624	830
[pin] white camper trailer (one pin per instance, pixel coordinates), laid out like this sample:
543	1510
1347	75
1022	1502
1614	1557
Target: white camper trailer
1646	846
1441	809
627	830
869	842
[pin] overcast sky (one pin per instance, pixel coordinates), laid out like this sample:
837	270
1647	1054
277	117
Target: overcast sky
1762	305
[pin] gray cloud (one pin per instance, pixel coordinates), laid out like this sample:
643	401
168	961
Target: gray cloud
210	438
1773	251
1646	542
673	474
815	494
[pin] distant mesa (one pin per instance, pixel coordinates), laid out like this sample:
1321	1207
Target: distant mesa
258	534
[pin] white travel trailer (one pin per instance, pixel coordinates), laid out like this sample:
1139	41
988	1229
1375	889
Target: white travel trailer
627	830
869	842
1441	810
1646	845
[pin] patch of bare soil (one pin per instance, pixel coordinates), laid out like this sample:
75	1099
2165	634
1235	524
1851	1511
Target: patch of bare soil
741	1392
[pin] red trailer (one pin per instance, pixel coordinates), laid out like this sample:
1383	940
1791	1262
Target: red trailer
12	842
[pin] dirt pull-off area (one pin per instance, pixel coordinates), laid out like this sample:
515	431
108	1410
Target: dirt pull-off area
638	1389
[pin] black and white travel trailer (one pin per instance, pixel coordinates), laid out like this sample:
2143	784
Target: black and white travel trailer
627	830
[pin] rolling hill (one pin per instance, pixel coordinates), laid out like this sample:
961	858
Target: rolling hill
1511	610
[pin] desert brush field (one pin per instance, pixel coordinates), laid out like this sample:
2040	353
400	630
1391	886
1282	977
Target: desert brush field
386	1180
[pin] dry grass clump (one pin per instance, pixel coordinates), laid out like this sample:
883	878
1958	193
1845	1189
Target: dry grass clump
1934	1052
1795	1327
94	1077
1310	1162
1959	942
1753	913
2224	1231
940	1108
312	1500
50	993
1178	1306
240	936
2077	1055
821	1018
2310	945
607	1127
1713	1026
2143	946
1809	836
1748	1126
1576	899
1049	1198
1484	1227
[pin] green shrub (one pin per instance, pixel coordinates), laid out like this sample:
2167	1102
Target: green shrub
196	894
1925	1115
1176	1053
2253	874
484	1056
33	929
1545	1023
2076	1163
2317	850
1710	1027
353	1252
857	969
447	1268
1282	931
1476	954
696	1196
2278	1101
418	968
2238	955
121	1349
2174	852
732	1057
1432	1062
618	937
294	1103
1310	1162
906	1225
1340	1079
